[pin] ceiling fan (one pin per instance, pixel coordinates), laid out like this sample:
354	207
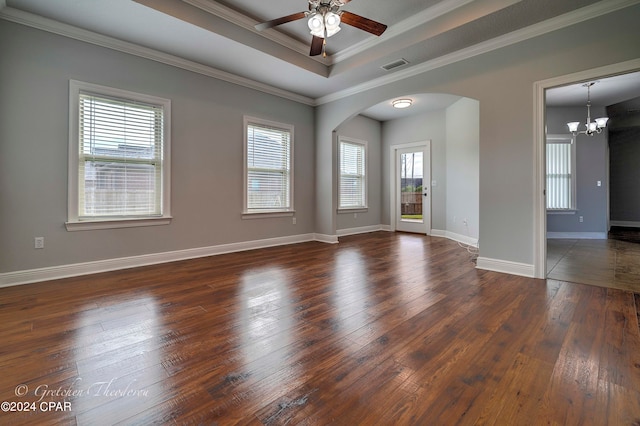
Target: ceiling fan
324	17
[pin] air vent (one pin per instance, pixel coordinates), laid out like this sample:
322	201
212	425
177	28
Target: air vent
395	64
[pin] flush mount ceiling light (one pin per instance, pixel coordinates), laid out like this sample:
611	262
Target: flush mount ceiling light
592	127
402	103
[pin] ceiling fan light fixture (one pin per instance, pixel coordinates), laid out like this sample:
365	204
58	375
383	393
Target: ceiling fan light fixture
316	25
402	103
331	23
323	19
324	24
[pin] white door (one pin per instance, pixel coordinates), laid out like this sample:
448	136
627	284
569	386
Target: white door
412	204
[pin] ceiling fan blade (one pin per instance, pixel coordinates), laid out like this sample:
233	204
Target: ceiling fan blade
280	21
316	46
363	23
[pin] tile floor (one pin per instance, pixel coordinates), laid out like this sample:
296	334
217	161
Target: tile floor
605	263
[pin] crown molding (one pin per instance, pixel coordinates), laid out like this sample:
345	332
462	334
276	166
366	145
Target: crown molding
59	28
584	14
589	12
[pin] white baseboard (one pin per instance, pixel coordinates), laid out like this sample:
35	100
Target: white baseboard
65	271
505	266
326	238
625	223
470	241
362	230
577	235
86	268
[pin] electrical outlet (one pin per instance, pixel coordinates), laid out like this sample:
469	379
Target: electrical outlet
38	242
294	220
465	222
581	219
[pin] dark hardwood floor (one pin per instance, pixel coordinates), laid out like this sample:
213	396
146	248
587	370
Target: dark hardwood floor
381	329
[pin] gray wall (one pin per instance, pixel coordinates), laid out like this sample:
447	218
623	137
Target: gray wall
366	129
463	167
591	167
624	157
207	141
416	128
502	81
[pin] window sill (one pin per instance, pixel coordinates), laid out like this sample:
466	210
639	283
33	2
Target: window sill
569	211
88	225
268	214
347	210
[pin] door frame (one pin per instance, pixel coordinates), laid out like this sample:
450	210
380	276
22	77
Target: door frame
539	140
426	144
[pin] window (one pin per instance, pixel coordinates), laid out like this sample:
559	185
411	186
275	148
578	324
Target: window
118	158
268	167
352	192
561	175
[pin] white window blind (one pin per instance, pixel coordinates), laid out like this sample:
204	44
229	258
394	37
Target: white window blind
560	174
268	167
352	191
120	153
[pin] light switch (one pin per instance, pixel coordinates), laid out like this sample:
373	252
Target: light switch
599	183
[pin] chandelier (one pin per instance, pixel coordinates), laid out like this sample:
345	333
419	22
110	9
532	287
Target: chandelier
593	127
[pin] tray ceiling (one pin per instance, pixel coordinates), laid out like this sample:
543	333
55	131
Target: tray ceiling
221	34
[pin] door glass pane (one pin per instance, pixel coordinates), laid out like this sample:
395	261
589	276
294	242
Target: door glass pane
411	186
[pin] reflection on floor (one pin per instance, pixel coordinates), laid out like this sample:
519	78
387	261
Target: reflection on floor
605	263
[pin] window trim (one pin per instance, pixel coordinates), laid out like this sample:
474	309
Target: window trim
574	180
365	145
74	222
256	214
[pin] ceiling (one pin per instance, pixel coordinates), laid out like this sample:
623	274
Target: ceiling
607	91
220	36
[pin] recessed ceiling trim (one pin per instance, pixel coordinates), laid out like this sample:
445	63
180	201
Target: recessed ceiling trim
247	23
276	36
438	26
410	23
553	24
59	28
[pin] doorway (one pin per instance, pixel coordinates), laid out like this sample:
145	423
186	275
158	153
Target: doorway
540	87
410	187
